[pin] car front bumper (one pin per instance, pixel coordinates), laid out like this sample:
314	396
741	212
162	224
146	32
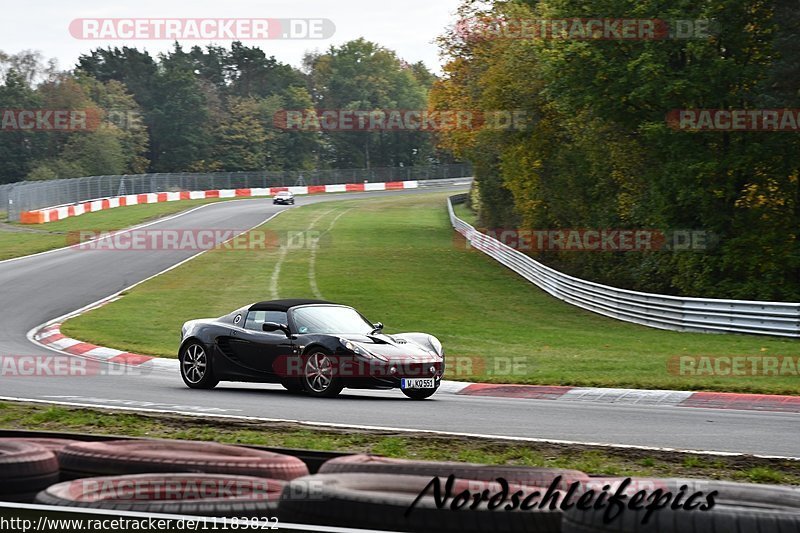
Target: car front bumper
389	374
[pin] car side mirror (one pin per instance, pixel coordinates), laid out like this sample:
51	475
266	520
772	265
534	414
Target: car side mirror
378	325
271	327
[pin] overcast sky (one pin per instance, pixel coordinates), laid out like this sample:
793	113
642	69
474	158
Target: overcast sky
408	27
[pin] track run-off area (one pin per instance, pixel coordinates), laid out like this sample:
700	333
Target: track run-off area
40	288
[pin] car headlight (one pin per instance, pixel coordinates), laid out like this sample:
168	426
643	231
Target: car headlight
356	349
436	345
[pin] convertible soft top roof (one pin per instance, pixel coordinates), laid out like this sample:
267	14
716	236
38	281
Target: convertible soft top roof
284	305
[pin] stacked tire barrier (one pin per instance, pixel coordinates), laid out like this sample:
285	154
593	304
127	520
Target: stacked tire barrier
26	469
187	478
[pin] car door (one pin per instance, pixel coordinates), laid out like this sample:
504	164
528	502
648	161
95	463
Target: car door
257	350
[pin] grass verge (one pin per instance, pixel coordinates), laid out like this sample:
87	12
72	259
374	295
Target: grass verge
18	240
398	261
466	214
590	459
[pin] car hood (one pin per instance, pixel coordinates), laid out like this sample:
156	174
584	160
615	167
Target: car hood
392	347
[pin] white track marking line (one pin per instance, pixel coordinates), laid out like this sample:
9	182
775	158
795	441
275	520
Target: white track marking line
393	429
312	275
345	196
124	230
102	301
276	273
274	290
625	396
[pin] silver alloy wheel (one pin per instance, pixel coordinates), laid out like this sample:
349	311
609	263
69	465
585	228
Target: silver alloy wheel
194	364
319	372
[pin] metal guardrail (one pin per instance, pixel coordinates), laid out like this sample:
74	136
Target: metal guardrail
31	195
655	310
445	182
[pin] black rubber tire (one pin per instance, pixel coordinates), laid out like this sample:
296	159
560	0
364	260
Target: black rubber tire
335	386
208	381
420	394
120	457
522	475
295	386
257	497
54	445
740	507
25	469
380	502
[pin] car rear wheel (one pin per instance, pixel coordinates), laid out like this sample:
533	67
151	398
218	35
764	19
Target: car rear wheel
196	369
420	394
318	375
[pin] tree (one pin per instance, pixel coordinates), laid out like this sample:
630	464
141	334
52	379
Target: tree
180	132
252	73
122	113
288	149
241	141
18	149
600	154
363	76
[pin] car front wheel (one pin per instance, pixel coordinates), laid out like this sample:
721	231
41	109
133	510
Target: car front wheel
196	369
318	375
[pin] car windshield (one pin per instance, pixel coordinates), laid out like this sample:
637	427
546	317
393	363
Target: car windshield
329	319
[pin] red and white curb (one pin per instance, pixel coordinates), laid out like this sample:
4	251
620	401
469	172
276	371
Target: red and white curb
52	214
51	337
705	400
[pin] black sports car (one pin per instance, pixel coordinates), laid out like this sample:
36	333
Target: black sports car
308	345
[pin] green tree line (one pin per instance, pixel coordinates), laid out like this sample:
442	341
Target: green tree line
597	151
210	109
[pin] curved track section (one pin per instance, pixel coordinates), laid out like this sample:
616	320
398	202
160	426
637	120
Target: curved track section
40	288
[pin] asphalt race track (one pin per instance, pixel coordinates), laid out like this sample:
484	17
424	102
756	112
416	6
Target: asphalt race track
39	288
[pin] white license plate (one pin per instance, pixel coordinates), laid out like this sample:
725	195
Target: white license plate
417	383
